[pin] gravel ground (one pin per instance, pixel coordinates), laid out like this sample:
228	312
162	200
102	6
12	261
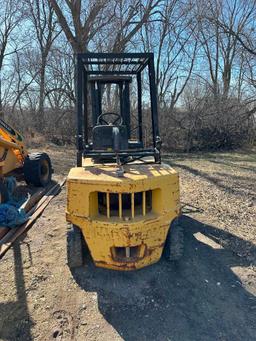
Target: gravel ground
209	295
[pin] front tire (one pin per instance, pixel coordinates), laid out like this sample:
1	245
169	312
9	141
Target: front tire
174	244
37	169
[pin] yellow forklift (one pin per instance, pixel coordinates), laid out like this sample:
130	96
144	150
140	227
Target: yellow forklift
123	203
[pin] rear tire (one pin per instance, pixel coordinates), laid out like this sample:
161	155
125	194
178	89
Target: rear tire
174	244
74	247
37	169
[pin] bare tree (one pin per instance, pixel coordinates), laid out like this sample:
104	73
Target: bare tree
129	18
42	17
60	89
204	54
87	19
219	48
22	80
171	37
10	17
241	29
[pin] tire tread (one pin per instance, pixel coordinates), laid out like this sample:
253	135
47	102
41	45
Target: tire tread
31	168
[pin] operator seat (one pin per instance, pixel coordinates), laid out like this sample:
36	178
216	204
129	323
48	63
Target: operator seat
110	135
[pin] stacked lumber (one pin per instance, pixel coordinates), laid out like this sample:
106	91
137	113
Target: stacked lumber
34	207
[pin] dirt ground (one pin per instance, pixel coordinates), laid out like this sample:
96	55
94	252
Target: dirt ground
209	295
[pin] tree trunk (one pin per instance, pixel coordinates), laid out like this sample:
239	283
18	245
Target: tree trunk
40	113
1	103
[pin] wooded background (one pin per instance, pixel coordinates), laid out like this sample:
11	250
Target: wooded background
205	59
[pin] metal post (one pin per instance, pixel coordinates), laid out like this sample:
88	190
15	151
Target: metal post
99	98
94	99
120	205
85	100
139	105
126	104
121	99
153	98
108	205
144	203
79	109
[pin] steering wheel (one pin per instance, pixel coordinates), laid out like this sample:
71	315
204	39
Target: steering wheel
117	121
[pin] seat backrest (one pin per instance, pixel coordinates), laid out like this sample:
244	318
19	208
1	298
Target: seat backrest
103	137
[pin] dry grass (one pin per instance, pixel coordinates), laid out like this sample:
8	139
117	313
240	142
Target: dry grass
220	189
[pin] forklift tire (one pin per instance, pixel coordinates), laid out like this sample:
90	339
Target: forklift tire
37	169
4	196
174	244
74	247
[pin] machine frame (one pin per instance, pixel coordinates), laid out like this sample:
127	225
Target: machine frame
124	204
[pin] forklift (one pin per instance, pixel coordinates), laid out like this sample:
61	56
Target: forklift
123	203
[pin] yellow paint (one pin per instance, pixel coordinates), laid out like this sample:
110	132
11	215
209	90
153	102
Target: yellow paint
146	230
12	151
132	205
144	203
120	205
108	204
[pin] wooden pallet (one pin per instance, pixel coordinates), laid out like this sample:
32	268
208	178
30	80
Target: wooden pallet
34	206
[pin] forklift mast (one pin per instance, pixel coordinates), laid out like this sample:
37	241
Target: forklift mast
107	139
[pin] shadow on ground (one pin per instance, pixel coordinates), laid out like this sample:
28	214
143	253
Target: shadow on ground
16	313
199	299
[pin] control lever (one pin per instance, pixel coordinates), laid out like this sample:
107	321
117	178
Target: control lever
116	143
